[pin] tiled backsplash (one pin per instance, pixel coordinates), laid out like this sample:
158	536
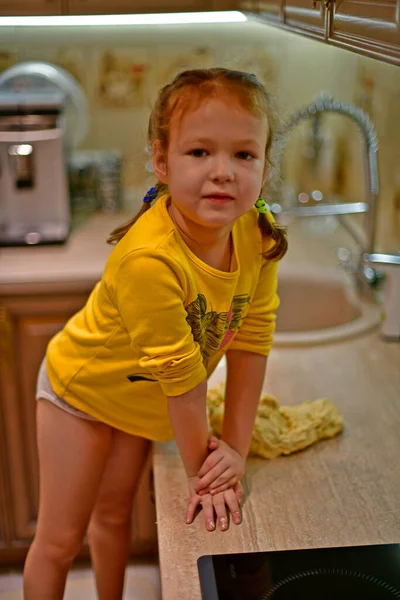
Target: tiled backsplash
121	70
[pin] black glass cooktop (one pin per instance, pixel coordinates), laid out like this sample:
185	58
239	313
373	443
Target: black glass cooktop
349	573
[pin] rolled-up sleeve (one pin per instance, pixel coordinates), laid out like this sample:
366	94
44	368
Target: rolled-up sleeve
255	334
150	293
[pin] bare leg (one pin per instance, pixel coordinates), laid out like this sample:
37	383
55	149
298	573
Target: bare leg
110	524
72	457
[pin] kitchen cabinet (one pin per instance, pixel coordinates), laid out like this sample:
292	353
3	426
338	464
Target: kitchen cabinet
301	15
372	26
369	27
150	6
27	322
306	16
30	7
90	7
268	9
3	500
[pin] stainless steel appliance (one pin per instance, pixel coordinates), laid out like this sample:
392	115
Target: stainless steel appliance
347	573
34	202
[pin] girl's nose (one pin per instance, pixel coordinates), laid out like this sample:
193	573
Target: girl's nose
222	170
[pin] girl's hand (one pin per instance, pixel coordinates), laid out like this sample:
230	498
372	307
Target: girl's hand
215	504
222	470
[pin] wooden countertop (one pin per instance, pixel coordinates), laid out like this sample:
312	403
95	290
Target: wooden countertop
344	491
77	264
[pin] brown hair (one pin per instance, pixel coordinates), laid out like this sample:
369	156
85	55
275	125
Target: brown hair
189	88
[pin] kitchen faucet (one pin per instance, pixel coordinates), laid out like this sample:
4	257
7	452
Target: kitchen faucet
366	240
370	266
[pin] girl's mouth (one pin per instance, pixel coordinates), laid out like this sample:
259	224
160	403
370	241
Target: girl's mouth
219	198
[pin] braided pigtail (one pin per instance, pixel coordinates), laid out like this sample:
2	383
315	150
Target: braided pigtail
269	229
158	190
276	233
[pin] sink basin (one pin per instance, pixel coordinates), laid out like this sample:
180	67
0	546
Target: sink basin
319	306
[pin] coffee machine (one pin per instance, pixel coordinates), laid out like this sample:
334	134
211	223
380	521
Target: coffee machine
34	199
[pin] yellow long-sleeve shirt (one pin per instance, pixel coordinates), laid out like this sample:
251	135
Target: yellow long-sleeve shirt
159	321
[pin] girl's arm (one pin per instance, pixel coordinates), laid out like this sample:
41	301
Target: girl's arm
189	422
150	296
246	372
247	361
225	466
188	415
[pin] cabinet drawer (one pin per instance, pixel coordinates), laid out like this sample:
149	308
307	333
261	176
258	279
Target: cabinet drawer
87	7
304	15
373	26
30	7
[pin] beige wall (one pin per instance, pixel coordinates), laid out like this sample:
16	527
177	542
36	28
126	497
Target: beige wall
121	69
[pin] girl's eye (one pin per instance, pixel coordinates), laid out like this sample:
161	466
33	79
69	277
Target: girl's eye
198	152
245	155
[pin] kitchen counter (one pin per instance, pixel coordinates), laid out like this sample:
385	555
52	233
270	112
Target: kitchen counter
73	266
81	259
339	492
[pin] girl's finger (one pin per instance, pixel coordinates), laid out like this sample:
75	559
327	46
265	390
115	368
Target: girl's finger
238	493
211	461
224	477
192	505
221	488
213	443
220	509
208	510
233	505
211	477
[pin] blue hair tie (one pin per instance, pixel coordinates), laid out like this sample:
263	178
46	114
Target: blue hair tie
151	195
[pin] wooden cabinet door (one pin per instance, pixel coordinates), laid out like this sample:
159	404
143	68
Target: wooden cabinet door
371	26
4	502
81	7
306	16
28	326
271	10
30	7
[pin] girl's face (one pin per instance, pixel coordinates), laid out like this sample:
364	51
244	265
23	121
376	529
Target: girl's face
215	163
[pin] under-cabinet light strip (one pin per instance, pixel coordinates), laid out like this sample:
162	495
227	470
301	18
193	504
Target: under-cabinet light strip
134	19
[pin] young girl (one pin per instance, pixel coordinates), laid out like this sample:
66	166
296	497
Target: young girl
192	277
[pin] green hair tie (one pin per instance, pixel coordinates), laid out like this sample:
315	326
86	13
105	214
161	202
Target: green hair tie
261	206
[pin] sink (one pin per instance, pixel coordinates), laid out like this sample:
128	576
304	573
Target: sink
320	306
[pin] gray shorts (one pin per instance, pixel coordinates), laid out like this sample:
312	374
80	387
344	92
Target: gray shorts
45	391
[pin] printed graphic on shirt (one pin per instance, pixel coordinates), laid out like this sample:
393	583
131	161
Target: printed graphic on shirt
214	330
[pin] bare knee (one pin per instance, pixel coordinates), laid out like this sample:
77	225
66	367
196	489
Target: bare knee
58	549
112	513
